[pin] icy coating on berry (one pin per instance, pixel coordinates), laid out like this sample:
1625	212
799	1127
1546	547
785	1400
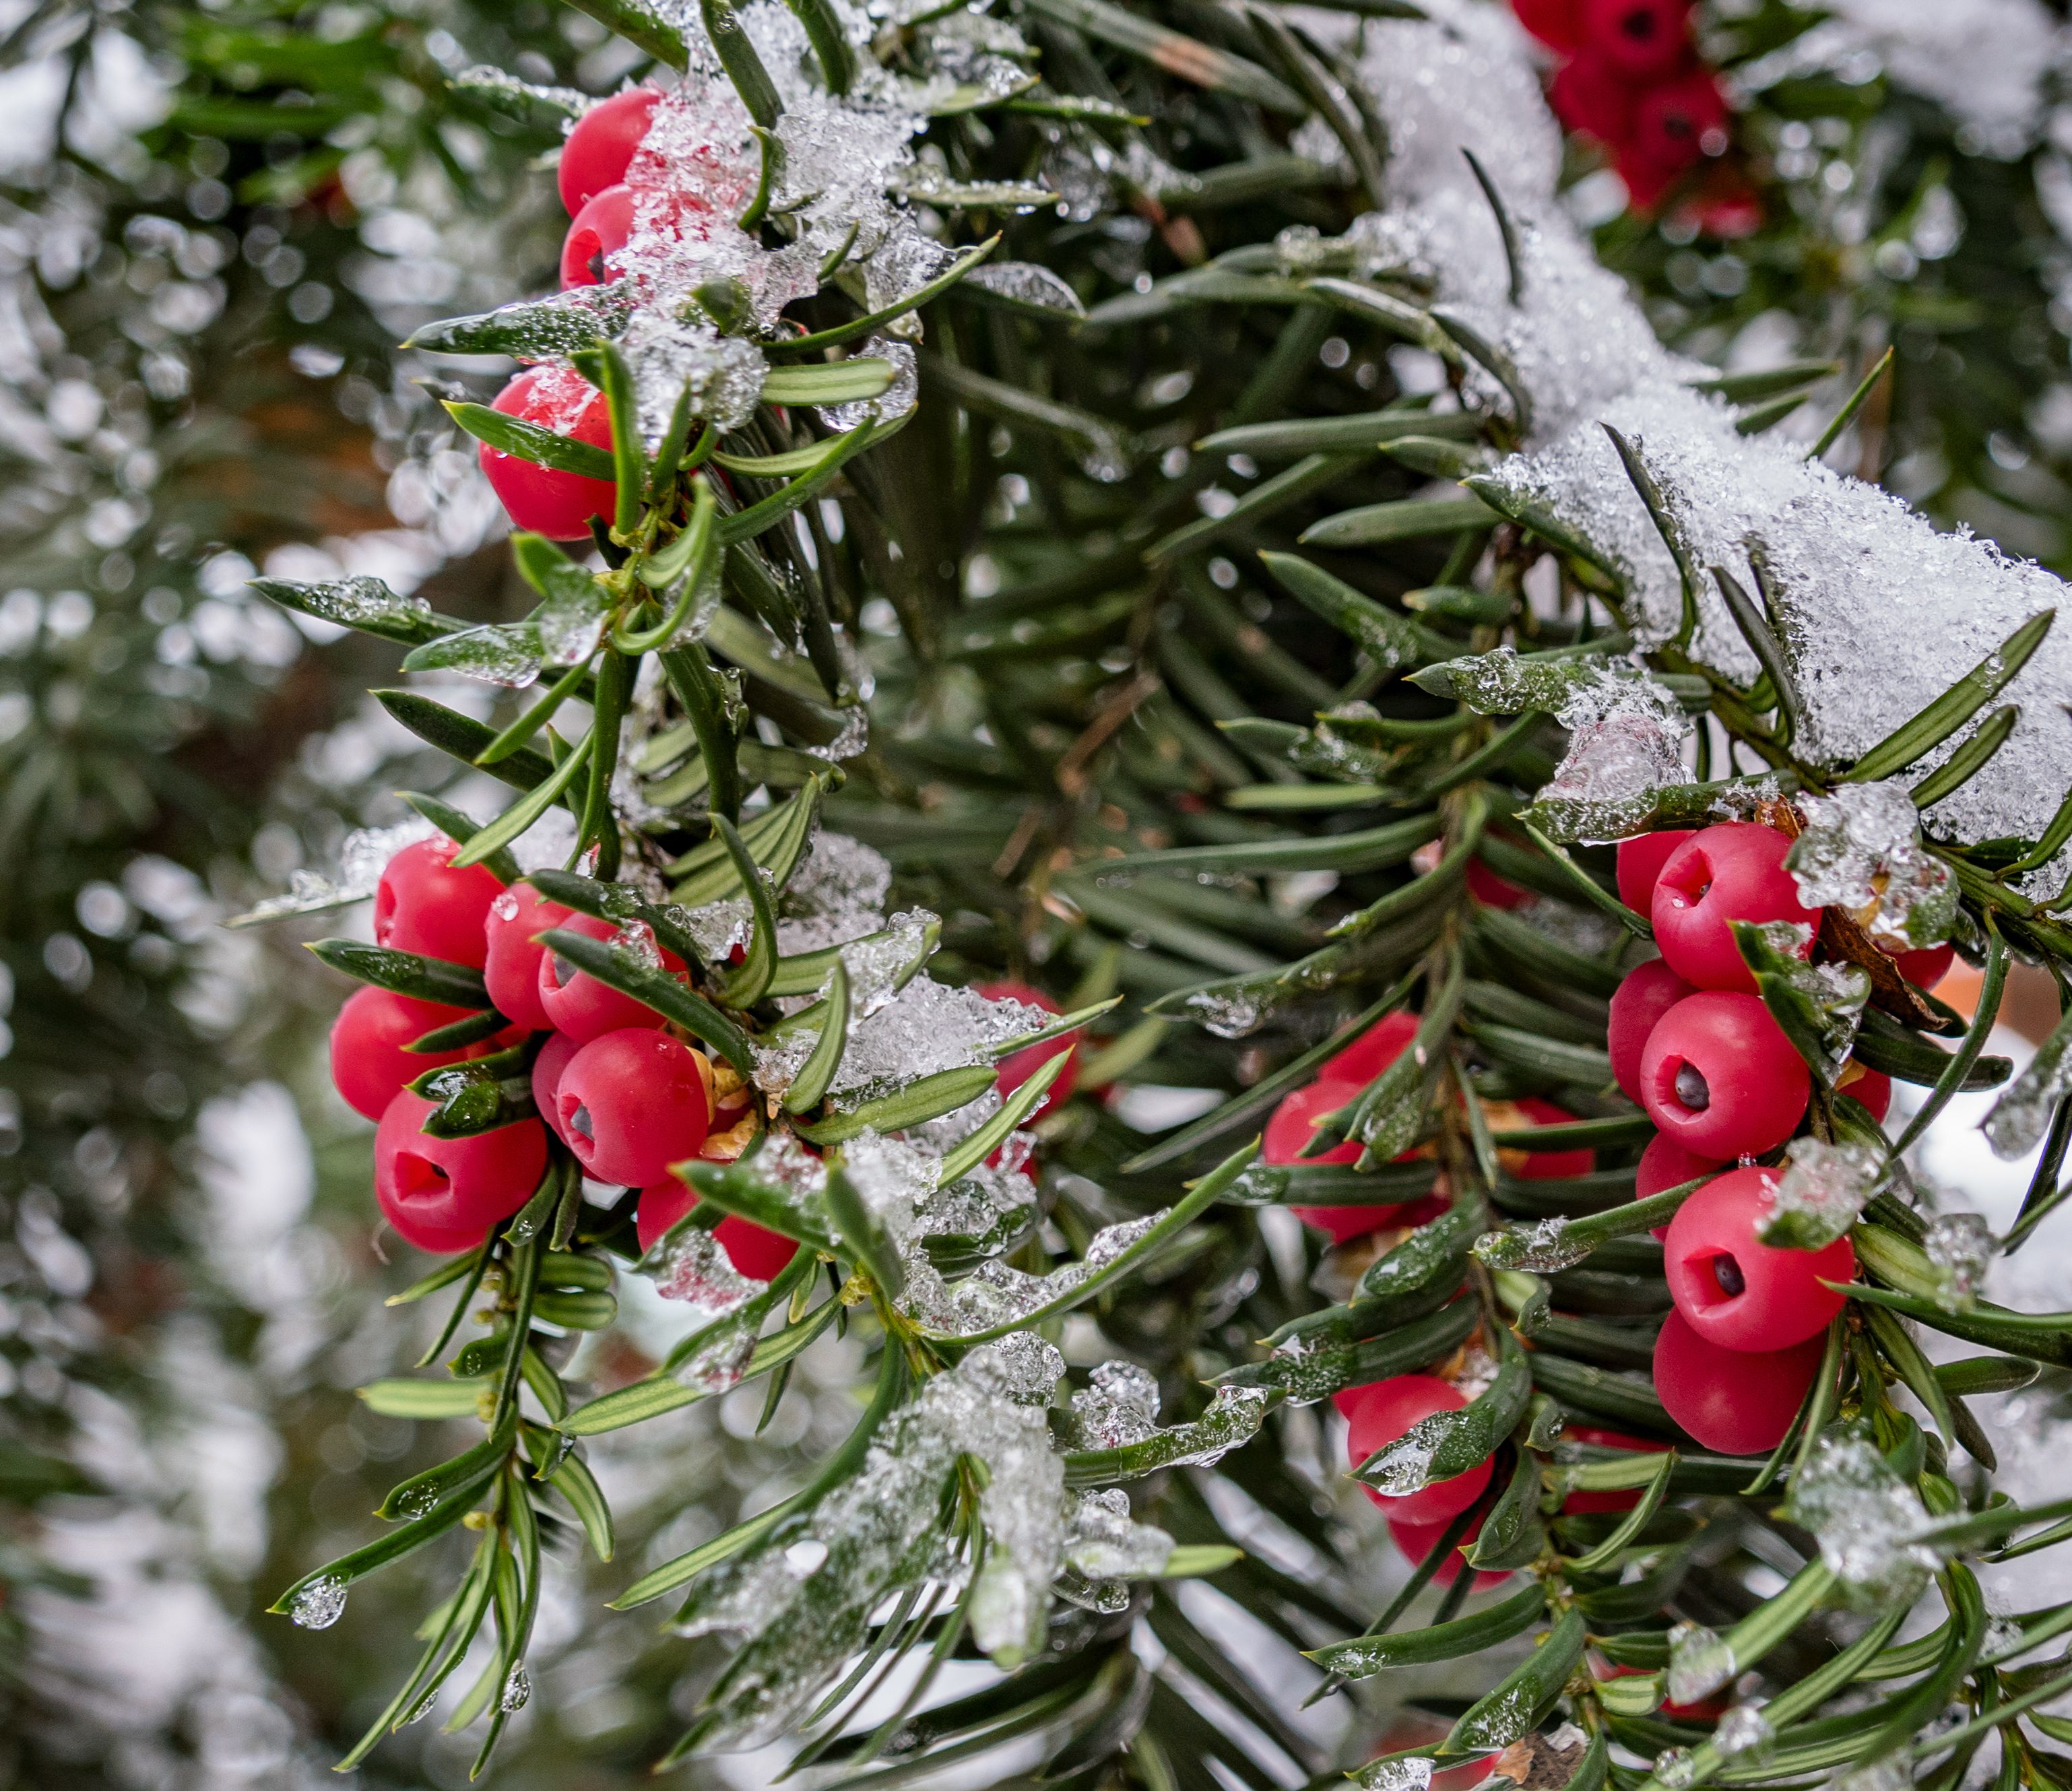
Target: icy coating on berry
1818	1197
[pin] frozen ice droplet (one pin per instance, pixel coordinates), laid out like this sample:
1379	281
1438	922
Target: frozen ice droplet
1675	1767
517	1689
1699	1663
319	1605
1743	1730
1959	1247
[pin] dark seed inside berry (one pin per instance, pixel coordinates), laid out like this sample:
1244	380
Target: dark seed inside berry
580	1121
595	263
564	972
1691	1088
1728	1273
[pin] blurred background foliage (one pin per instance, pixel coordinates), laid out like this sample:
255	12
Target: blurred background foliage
215	222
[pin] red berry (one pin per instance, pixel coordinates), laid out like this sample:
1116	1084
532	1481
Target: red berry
597	233
1017	1067
443	1194
1623	1498
1734	871
1648	992
368	1061
1926	968
1589	95
1665	1165
1372	1052
1870	1089
1677	125
512	969
755	1250
1647	184
632	1104
601	147
1732	210
556	504
1640	862
1548	1165
1381	1412
1644	39
1720	1076
1557	23
578	1004
1417	1541
423	905
547	1068
1492	891
1706	1710
1733	1289
1293	1122
1735	1401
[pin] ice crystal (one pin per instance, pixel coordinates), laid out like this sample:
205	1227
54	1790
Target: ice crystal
665	355
1959	1247
1120	1407
892	1177
924	1028
1027	283
1103	1541
2021	1116
355	601
994	1295
837	894
1818	1197
1675	1768
1699	1663
1890	1772
1626	742
517	1689
1030	1367
319	1605
361	860
1868	1522
695	1268
1412	1772
1542	1248
1861	851
1743	1730
892	403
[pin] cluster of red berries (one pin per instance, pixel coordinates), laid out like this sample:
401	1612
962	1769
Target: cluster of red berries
1630	77
1692	1042
605	205
627	1098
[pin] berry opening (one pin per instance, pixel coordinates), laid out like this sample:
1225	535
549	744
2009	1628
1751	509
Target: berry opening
563	972
416	1175
1692	1089
1728	1273
581	1123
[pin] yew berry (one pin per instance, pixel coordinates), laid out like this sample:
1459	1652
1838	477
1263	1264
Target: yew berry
1665	1165
1417	1541
1289	1131
1705	1710
1737	1402
1736	1291
1719	1076
1640	862
578	1004
1734	871
547	1068
1870	1089
548	502
423	905
1373	1051
632	1102
1680	122
1492	891
1590	97
602	146
1648	991
443	1194
1557	23
1378	1414
1621	1498
1926	967
1644	39
1545	1165
755	1250
1017	1067
368	1062
596	234
512	969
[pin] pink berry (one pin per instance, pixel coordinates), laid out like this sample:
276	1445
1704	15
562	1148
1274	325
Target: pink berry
1017	1067
511	970
755	1250
1734	1401
368	1062
1720	1076
632	1104
602	146
1372	1052
1870	1089
592	253
1736	1291
547	1068
1417	1541
1644	39
578	1004
1648	992
1665	1165
556	504
1734	871
443	1194
1380	1413
1640	862
423	905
